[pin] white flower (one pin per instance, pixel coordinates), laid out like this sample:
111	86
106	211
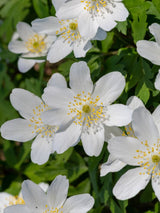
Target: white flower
54	201
7	199
113	164
142	151
30	107
84	110
151	49
31	45
93	14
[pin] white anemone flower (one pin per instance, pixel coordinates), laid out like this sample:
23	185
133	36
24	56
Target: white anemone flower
93	14
30	107
113	164
84	111
7	199
31	45
142	151
69	38
54	201
151	49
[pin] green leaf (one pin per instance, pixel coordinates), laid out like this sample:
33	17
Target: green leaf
41	8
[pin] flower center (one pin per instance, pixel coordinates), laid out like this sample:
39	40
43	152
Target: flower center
39	126
86	108
155	159
36	44
73	26
15	200
48	210
69	30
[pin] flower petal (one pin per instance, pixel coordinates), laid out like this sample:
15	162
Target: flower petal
57	80
149	50
131	183
24	102
24	65
120	13
107	22
4	198
24	30
109	87
111	132
156	117
101	35
125	149
18	130
144	127
55	53
34	197
119	115
157	81
66	139
80	79
155	186
93	141
112	165
81	48
57	192
78	203
48	25
17	209
41	149
57	4
56	97
17	47
134	102
155	30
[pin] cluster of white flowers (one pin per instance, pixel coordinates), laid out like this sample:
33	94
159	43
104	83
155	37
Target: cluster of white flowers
77	23
85	112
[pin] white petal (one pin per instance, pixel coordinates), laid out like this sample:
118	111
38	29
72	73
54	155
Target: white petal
156	187
24	101
55	53
57	80
79	203
57	4
112	165
17	209
57	97
101	35
34	197
25	31
155	30
131	183
120	13
41	150
134	102
109	87
157	81
144	127
81	48
111	132
48	25
24	65
90	28
57	192
57	117
80	79
69	10
149	50
93	141
125	149
107	22
18	130
66	139
119	115
156	117
44	186
17	47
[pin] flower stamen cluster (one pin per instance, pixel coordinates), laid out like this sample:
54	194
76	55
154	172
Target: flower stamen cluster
14	200
36	44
